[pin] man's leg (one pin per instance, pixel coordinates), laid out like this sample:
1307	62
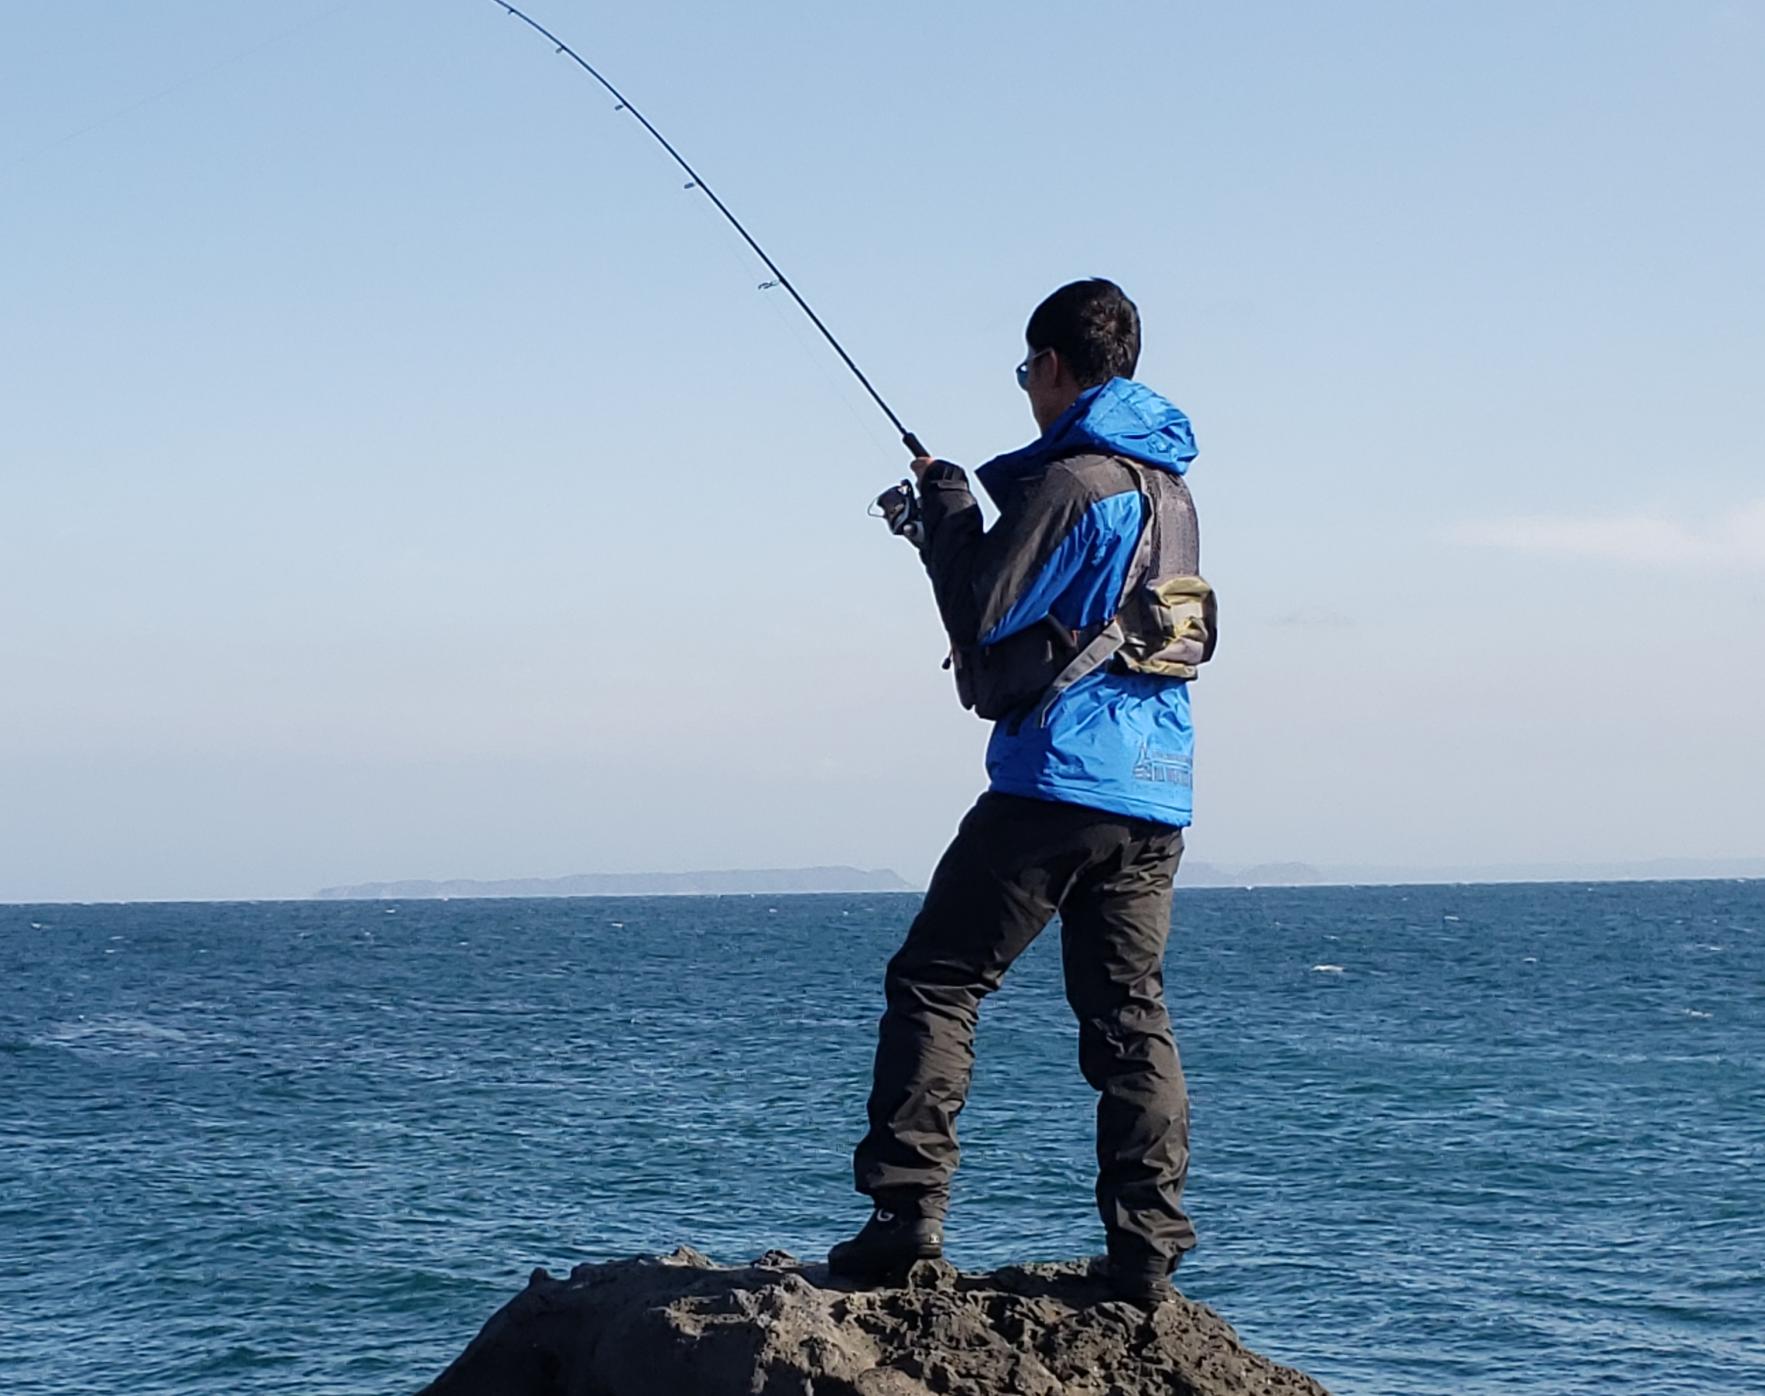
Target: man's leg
993	892
1114	927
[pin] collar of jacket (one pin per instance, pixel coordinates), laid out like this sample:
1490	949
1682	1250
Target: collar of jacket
1119	418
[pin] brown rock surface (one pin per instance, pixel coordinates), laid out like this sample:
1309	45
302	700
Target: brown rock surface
679	1325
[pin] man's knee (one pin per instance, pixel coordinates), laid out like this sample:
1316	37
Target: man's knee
1130	1049
941	975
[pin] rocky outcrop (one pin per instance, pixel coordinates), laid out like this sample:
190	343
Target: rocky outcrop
679	1325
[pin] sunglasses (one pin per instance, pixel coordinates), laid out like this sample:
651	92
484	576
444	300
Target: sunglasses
1023	369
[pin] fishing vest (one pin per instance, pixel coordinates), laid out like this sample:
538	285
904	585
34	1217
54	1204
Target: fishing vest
1165	625
1168	621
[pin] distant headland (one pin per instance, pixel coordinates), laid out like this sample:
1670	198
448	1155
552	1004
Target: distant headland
733	882
780	882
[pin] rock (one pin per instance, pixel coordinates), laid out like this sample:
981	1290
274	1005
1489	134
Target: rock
679	1325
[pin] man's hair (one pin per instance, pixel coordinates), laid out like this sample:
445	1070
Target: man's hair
1094	328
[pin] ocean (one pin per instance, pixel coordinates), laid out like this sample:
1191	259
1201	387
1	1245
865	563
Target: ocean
1452	1139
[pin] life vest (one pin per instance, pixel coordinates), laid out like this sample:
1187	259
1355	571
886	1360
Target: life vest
1168	621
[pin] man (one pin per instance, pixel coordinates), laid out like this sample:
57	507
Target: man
1075	623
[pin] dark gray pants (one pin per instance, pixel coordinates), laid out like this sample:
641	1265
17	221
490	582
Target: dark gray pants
1014	864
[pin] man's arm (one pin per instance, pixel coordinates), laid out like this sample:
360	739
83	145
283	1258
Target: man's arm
992	584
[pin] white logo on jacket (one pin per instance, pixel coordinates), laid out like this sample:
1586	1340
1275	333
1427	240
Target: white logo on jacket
1164	766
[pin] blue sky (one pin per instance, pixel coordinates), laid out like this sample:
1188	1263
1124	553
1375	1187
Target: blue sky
402	476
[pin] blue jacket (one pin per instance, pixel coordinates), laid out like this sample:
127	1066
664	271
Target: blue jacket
1017	599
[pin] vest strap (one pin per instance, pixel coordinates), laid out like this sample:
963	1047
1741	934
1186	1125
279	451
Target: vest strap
1087	661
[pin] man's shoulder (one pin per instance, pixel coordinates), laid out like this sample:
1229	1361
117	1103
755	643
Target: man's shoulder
1086	477
1066	486
1090	474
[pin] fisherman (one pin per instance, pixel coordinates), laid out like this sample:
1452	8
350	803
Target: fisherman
1075	622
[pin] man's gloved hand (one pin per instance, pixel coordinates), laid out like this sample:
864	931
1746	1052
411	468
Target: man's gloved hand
929	470
899	505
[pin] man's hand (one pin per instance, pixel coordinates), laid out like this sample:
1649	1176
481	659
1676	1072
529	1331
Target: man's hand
921	464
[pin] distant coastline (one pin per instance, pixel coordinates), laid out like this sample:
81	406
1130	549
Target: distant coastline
772	882
1196	873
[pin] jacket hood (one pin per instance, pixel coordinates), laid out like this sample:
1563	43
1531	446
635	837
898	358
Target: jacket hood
1120	418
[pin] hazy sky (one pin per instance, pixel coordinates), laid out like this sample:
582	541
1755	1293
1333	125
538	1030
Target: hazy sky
401	475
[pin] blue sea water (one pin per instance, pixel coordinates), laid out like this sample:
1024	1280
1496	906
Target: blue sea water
1446	1139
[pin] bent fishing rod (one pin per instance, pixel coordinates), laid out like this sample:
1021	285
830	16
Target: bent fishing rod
779	279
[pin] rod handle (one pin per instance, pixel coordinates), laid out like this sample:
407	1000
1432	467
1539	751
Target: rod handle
912	443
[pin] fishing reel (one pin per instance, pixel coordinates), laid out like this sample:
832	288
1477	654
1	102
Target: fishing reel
898	506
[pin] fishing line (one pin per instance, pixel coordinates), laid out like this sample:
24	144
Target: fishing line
803	339
695	181
119	112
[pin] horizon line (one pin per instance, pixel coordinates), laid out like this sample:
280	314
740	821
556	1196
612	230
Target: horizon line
1316	884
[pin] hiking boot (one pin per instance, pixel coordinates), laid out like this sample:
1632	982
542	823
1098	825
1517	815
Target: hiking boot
1145	1286
1139	1278
890	1241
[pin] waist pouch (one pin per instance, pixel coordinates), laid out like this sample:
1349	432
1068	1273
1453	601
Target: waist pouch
1168	627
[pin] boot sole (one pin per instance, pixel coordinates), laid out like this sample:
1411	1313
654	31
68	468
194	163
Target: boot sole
881	1268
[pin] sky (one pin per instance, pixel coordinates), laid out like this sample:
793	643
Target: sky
401	475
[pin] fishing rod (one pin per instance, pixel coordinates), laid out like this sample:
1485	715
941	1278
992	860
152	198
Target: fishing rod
695	181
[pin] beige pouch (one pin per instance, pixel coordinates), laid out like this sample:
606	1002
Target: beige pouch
1170	629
